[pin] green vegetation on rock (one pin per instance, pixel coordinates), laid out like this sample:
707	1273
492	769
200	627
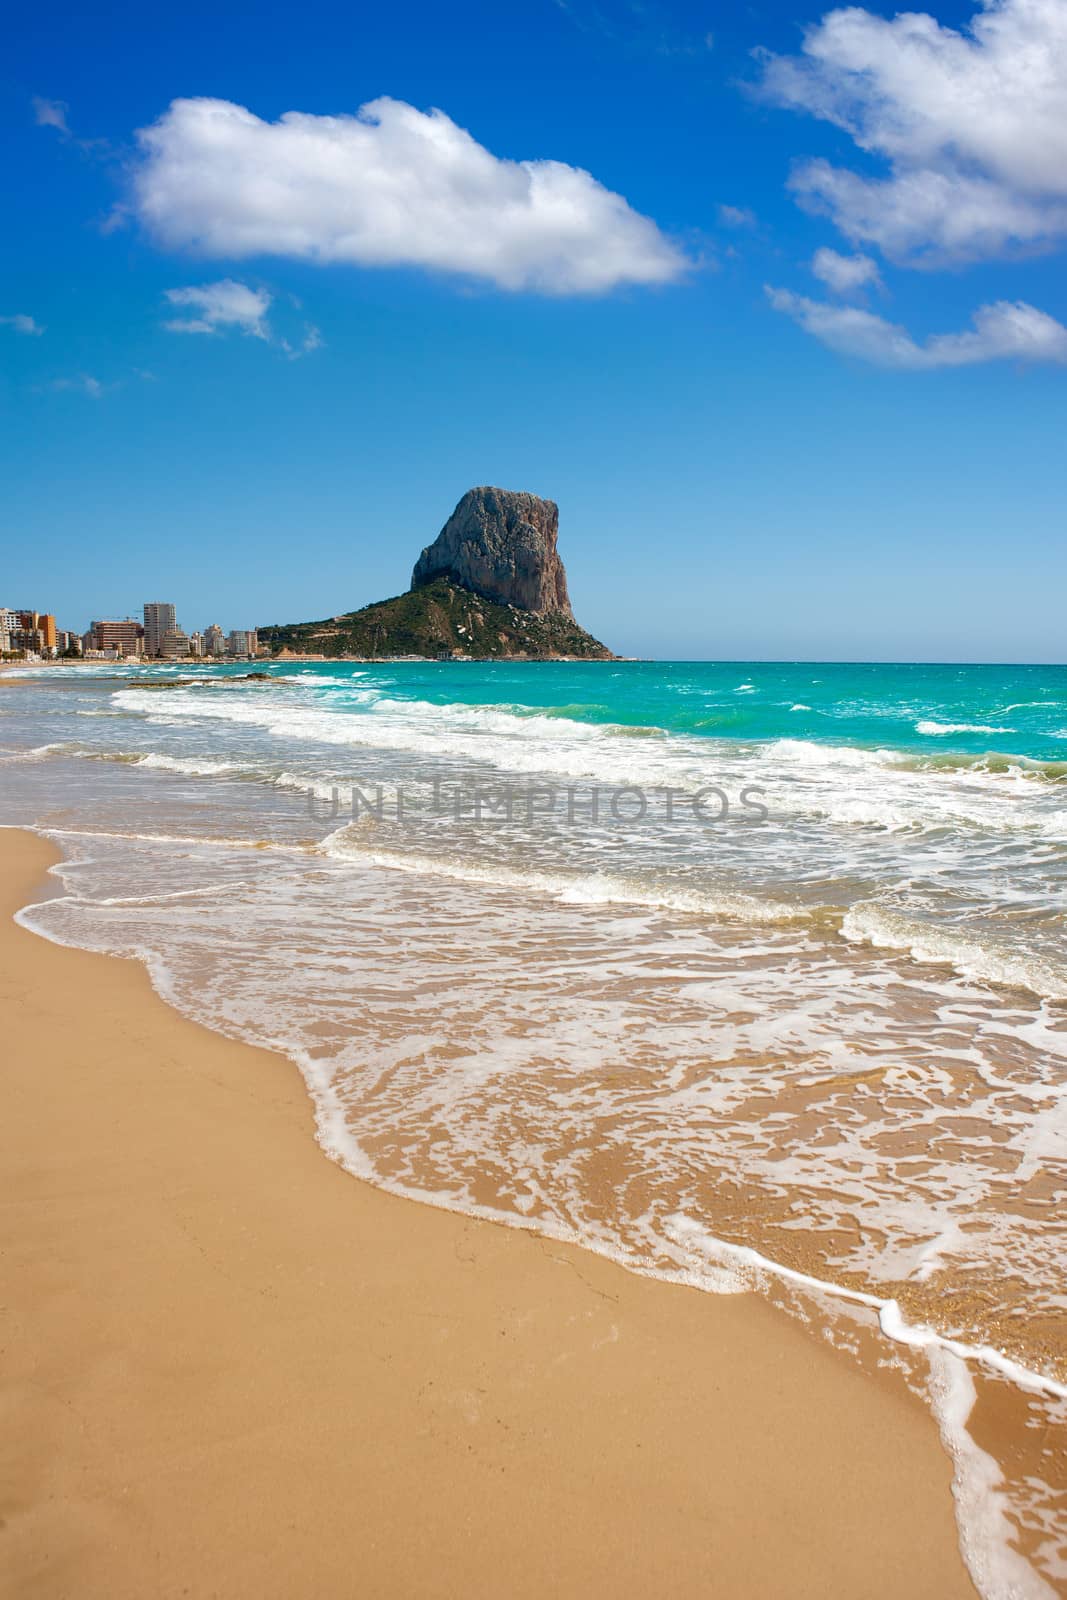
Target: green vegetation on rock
440	620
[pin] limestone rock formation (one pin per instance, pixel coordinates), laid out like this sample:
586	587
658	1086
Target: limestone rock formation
491	587
501	545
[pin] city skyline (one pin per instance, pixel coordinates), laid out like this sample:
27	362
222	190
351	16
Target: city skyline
157	636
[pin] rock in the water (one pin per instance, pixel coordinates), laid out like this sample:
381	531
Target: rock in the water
502	545
491	587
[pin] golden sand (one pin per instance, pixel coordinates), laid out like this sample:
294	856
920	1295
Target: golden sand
230	1369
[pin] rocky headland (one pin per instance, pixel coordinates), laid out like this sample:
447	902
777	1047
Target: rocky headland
491	586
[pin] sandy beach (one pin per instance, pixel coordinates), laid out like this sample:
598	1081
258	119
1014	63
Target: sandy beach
231	1369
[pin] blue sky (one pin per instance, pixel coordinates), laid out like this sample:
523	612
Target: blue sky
782	331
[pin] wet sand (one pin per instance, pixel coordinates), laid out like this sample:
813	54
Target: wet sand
232	1369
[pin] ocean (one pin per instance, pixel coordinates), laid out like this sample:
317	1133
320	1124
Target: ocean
750	975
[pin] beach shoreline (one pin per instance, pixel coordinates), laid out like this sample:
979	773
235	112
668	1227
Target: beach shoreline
233	1368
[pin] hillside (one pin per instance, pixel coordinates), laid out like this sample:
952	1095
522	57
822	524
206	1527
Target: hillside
440	619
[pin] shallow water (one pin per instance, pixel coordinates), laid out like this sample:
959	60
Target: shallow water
736	973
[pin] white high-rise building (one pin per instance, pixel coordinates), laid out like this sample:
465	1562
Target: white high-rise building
214	641
158	620
196	644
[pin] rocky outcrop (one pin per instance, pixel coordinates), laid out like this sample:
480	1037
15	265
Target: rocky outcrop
502	545
490	587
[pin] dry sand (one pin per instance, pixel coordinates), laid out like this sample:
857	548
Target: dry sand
230	1369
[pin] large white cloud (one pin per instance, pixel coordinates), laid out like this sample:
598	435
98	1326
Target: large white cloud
973	125
1006	329
391	186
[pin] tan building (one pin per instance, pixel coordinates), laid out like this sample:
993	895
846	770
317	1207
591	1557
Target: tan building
29	631
28	640
174	645
127	636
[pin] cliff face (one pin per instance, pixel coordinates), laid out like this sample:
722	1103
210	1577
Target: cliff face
502	545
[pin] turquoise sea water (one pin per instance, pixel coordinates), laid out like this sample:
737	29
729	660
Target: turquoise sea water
745	974
928	710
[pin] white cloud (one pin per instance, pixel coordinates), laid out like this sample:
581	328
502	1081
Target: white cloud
21	323
844	274
226	304
218	307
82	384
392	186
971	123
737	217
927	219
1003	330
312	340
50	114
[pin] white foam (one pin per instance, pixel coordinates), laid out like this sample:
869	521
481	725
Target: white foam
986	1533
801	777
193	767
890	929
890	1317
594	889
806	752
208	841
937	728
895	1326
37	753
